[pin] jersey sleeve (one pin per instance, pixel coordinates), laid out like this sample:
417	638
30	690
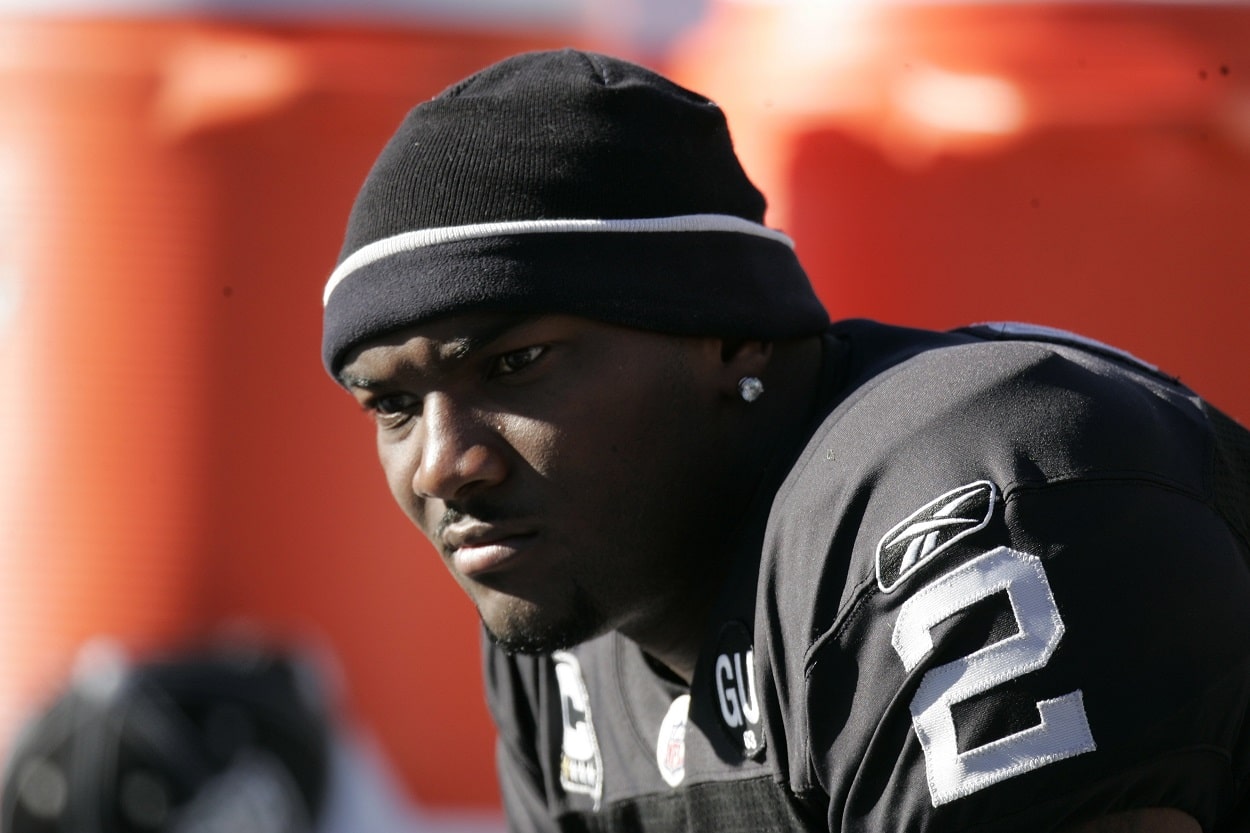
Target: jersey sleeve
1048	668
1027	610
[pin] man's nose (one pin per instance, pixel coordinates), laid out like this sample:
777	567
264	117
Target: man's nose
460	451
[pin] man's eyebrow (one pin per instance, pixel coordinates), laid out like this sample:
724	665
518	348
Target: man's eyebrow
454	349
349	381
488	333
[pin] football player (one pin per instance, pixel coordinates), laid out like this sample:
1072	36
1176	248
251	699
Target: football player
740	568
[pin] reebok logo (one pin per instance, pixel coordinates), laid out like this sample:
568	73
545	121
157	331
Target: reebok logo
931	529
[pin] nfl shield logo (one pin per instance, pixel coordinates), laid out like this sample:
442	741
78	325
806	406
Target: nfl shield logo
670	748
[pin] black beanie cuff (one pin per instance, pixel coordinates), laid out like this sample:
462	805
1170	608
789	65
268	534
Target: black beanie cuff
424	238
655	273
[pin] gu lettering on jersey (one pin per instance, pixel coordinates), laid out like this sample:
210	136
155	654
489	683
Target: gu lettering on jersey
734	673
670	747
931	529
581	764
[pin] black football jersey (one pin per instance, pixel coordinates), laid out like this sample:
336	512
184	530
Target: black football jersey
1005	586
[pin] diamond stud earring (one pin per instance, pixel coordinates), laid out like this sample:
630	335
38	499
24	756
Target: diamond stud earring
750	388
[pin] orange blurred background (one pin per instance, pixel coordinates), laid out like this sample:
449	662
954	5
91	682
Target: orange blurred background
172	193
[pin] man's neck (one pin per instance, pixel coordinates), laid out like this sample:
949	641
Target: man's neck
773	429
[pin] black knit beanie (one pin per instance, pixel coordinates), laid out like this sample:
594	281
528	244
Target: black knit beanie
565	182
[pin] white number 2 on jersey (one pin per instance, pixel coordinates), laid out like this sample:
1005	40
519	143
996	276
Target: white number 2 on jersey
1064	729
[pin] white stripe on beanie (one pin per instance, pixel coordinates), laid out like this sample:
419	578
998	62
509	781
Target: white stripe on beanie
421	238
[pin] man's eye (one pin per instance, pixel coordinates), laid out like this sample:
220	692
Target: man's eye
517	360
393	410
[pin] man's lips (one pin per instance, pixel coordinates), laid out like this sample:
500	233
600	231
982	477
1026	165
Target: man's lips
478	548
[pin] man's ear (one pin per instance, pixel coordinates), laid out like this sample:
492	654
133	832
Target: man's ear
744	357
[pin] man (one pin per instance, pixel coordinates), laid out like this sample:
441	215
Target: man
744	570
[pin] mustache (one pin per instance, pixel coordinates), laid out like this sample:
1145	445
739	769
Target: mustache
453	514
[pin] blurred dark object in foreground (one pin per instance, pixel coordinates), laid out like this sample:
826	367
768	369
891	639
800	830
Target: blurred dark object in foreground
208	741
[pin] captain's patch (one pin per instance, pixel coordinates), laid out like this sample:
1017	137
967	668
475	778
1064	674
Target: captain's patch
581	764
931	529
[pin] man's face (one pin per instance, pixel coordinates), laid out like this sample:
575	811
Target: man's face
568	471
